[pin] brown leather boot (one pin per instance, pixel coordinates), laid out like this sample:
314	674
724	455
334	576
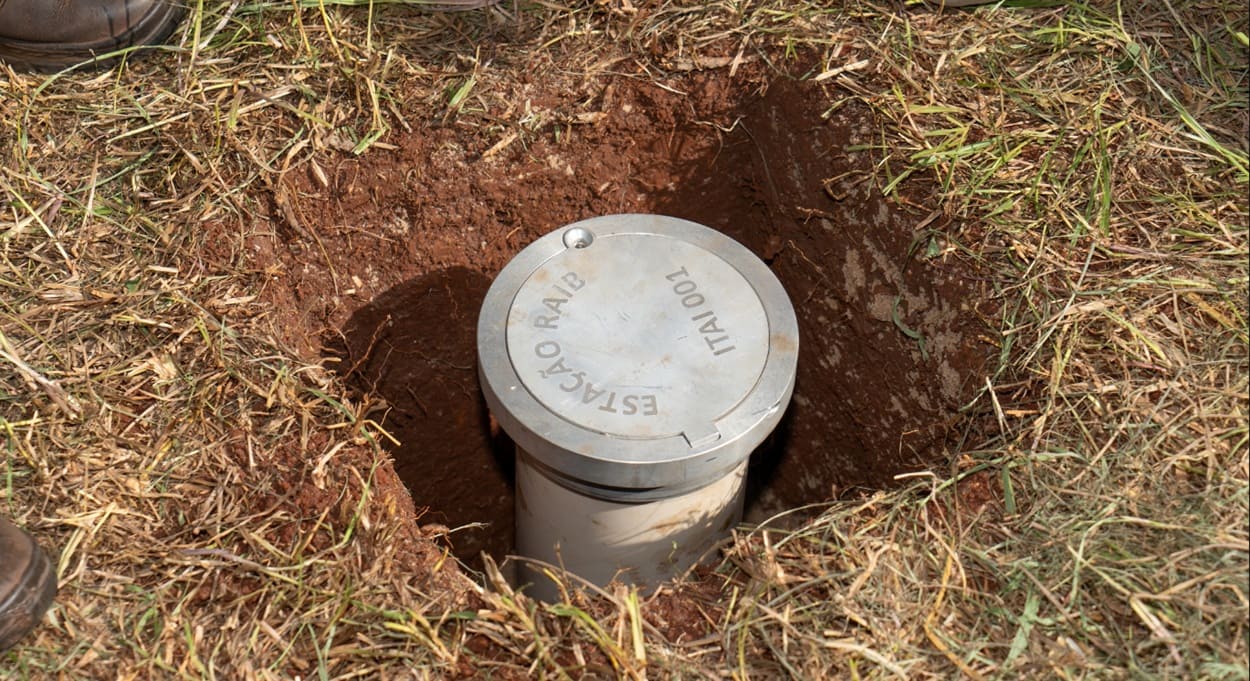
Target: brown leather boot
27	584
49	35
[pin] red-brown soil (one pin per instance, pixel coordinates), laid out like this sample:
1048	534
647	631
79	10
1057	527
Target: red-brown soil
379	264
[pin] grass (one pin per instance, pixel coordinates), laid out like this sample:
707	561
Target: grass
1091	157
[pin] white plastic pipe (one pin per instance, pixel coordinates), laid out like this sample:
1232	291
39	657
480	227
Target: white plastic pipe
644	543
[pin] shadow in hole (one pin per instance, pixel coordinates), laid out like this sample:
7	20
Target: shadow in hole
759	503
414	346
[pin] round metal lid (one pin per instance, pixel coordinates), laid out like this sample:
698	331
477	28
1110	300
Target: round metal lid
638	352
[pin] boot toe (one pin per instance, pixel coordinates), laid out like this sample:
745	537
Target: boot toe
32	39
27	584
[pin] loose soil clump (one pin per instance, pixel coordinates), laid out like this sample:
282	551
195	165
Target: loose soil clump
388	257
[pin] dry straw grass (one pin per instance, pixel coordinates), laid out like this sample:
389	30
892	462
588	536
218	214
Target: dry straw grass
1092	157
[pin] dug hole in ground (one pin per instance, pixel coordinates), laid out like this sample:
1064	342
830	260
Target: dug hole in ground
382	263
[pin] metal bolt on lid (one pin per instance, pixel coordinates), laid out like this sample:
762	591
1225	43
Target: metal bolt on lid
637	353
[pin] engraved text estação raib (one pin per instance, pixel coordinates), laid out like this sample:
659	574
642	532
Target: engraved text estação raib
572	380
